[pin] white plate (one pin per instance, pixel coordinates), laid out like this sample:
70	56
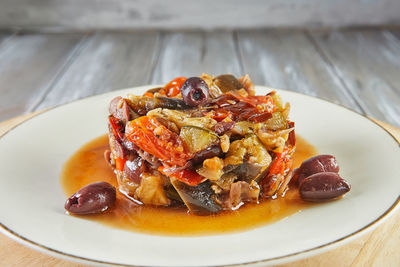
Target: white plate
32	200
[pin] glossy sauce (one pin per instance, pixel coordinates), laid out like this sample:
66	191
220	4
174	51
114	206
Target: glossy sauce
87	165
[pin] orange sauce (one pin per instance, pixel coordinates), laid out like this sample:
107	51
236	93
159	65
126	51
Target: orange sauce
87	165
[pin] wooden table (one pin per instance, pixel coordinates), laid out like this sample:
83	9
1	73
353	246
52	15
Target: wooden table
359	69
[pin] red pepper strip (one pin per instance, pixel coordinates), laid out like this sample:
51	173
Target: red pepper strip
245	108
116	126
120	163
173	88
278	165
244	111
292	135
218	114
266	102
154	138
186	176
281	164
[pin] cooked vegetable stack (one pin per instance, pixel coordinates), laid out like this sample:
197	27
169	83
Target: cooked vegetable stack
206	142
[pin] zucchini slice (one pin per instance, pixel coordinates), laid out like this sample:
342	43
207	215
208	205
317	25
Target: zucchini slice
198	139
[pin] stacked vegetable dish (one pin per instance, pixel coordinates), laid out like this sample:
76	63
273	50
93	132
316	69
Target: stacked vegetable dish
206	142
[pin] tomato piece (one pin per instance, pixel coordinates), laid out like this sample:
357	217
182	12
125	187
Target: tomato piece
186	176
148	94
116	126
120	163
154	138
173	88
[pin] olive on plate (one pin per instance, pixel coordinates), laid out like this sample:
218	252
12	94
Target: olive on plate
93	198
323	186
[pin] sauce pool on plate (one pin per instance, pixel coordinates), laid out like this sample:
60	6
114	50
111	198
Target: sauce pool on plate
87	166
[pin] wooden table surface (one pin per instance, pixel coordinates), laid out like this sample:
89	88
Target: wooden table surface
359	69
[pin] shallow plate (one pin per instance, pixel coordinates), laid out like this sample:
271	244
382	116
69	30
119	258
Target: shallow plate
31	197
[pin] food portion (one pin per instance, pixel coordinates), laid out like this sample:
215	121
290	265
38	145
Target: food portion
208	143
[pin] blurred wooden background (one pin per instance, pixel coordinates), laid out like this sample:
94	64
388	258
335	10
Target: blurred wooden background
356	68
64	15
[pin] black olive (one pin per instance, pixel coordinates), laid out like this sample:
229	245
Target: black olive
195	91
323	186
320	163
93	198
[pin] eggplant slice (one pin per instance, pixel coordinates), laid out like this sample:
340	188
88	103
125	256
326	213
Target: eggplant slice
200	199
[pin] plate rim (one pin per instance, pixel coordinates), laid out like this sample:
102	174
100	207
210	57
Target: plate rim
289	257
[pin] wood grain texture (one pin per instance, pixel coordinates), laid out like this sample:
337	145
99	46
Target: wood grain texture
288	60
107	62
396	33
378	248
14	254
184	14
191	54
4	38
28	64
368	63
382	246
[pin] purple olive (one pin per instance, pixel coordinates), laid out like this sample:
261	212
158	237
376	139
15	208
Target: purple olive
93	198
323	186
320	163
195	91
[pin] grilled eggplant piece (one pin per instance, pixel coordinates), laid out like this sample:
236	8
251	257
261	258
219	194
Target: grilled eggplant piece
143	104
171	193
250	171
198	139
181	119
199	199
210	152
226	83
248	158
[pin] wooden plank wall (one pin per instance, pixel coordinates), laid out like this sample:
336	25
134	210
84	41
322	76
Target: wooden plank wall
358	69
78	15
